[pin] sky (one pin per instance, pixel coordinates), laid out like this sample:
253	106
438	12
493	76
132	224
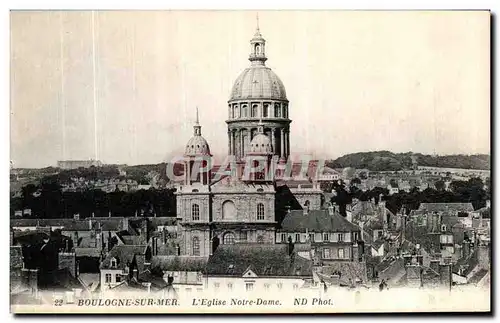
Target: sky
123	86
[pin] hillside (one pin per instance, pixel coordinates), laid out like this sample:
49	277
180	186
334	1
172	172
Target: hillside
388	161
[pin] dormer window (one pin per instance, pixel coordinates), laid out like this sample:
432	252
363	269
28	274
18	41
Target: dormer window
443	228
114	263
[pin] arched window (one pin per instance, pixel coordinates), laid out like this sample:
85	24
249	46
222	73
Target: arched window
260	211
196	246
285	111
254	110
228	238
260	239
277	110
265	110
257	49
236	112
195	212
244	111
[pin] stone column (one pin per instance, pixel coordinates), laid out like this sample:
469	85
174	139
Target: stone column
229	142
282	140
242	144
272	140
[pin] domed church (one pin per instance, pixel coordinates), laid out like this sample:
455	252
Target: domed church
237	209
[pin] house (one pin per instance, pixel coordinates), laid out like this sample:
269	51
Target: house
122	262
331	236
185	272
253	267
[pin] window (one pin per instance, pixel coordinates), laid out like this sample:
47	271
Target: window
254	110
188	290
295	286
249	287
229	238
285	112
113	262
266	287
118	278
277	111
260	211
443	228
260	239
265	111
341	253
216	285
230	286
243	111
196	246
243	236
311	237
355	236
326	253
108	278
297	237
283	237
236	111
280	285
341	237
326	237
195	212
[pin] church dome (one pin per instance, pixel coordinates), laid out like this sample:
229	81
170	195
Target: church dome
261	144
258	82
197	145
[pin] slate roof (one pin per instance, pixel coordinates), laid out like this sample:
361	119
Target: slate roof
444	207
87	252
107	224
265	260
124	254
178	263
316	221
348	270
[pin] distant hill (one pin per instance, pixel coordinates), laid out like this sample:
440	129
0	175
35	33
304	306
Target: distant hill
389	161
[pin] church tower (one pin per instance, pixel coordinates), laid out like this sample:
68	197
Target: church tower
193	197
258	94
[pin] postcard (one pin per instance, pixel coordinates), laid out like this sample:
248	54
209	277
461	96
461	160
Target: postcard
250	161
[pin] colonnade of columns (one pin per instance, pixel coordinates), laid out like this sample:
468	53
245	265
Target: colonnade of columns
240	138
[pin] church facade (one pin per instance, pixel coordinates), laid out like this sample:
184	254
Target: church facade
235	208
